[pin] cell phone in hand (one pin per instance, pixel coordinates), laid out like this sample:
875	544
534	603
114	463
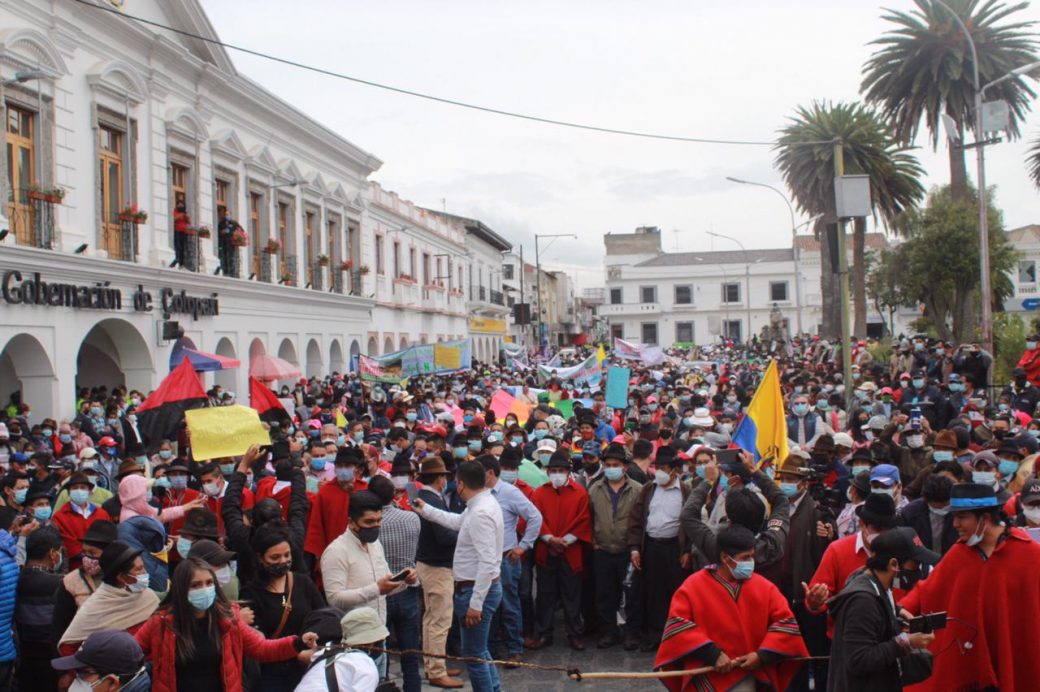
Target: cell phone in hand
927	623
400	575
412	491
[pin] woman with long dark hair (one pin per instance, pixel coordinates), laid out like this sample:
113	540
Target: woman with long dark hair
281	599
196	641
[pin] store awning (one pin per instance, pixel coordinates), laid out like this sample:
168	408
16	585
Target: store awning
200	360
269	368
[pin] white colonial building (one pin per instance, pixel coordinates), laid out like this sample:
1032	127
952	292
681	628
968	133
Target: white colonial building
121	118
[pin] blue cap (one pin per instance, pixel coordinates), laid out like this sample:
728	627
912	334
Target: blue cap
591	447
885	473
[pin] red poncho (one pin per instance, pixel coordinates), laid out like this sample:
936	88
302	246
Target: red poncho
991	604
1030	362
737	618
329	516
564	511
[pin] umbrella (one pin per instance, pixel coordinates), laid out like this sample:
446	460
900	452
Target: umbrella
268	368
200	360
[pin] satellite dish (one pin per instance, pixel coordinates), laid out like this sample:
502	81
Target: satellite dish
950	126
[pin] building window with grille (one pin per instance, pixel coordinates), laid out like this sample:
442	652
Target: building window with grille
684	332
731	293
649	333
256	232
380	263
733	329
507	272
111	144
778	291
648	294
683	295
615	296
21	171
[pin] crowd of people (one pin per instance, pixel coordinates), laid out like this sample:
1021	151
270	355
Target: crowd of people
893	545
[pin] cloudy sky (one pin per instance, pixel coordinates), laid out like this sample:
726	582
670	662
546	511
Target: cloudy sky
726	70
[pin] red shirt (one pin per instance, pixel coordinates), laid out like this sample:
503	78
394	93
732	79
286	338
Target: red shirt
215	504
329	516
176	498
72	526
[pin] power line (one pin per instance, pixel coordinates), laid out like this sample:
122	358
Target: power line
431	97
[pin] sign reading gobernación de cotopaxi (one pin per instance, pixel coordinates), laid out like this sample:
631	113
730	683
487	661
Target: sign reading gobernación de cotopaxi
102	296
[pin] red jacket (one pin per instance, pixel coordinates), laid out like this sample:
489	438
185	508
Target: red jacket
73	526
176	498
329	516
216	504
159	644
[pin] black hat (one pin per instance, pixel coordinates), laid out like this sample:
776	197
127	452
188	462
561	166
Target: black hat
201	523
665	456
878	510
324	622
100	533
401	467
1031	490
824	444
615	451
903	544
862	454
861	482
37	493
1009	447
966	496
178	465
208	551
116	557
109	652
78	478
559	459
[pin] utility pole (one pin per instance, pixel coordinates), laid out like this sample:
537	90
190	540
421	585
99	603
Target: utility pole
538	276
523	327
843	279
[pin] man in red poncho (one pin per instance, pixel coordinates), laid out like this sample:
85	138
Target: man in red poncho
1030	360
727	617
566	525
331	507
988	585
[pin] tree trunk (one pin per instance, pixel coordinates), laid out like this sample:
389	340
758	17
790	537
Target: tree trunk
958	171
830	323
859	277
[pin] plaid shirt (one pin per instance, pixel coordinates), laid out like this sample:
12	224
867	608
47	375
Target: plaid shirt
399	534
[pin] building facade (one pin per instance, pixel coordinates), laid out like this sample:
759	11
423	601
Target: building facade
109	125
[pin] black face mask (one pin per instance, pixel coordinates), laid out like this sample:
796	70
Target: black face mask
368	535
278	569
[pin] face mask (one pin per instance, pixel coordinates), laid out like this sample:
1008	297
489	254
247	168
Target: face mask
1031	345
359	436
613	473
223	575
743	569
918	383
368	535
510	477
662	477
891	492
860	394
942	455
939	511
277	569
42	513
1032	514
823	406
726	427
723	481
110	451
345	475
19	495
460	452
399	481
46	432
79	496
800	409
227	469
202	599
314	432
475	445
178	482
539	433
411	416
789	489
770	472
1007	468
688	421
468	418
700	471
96	411
318	463
956	387
905	384
140	583
543	459
984	477
212	488
915	441
976	538
165	454
558	480
183	546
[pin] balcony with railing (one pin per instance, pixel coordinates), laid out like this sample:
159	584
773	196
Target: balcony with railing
32	219
496	297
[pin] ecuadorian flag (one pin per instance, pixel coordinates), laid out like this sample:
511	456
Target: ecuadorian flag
763	429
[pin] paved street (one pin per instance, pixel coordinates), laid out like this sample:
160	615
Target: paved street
592	659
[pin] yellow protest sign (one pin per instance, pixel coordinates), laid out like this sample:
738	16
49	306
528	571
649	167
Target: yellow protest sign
447	357
224	431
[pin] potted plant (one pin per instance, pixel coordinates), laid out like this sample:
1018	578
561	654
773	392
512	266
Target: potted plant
55	195
287	279
323	260
363	269
346	266
239	238
132	214
203	231
35	191
273	246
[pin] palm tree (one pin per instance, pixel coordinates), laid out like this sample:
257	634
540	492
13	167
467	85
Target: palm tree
1033	162
805	157
923	69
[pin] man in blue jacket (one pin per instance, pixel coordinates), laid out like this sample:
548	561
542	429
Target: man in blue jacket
8	587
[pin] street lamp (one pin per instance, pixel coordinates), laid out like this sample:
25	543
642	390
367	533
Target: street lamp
538	274
794	233
747	277
985	287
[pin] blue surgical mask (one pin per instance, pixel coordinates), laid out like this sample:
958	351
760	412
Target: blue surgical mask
345	474
468	417
918	382
202	598
42	513
162	482
314	432
411	416
800	409
510	476
723	481
165	453
475	445
613	473
700	470
178	482
46	432
460	452
743	569
942	455
518	439
539	433
227	469
65	438
79	496
318	463
183	546
956	387
1007	468
823	406
359	436
789	489
341	440
984	477
19	495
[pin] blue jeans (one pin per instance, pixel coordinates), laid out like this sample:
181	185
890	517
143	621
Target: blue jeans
509	618
482	676
402	618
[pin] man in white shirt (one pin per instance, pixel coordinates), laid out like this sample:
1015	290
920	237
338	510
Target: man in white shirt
476	568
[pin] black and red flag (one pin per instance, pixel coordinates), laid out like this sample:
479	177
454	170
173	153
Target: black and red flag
159	416
271	410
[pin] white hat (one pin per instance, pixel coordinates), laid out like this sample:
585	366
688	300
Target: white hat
702	417
843	440
363	626
87	453
546	444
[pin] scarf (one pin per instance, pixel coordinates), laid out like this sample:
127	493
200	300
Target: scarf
79	586
110	608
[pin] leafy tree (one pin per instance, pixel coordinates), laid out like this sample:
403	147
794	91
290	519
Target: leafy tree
805	157
923	69
938	263
1009	341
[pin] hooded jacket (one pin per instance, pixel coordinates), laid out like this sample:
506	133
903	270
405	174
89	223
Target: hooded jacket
864	653
8	586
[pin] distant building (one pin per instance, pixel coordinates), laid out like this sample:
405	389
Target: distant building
1026	297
